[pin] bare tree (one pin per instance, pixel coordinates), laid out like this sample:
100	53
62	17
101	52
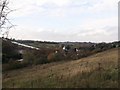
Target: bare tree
5	24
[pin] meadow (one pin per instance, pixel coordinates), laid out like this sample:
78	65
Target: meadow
96	71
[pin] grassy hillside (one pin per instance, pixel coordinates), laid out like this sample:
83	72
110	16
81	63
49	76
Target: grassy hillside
99	70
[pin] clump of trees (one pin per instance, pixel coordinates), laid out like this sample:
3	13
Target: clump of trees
9	52
10	55
34	57
52	57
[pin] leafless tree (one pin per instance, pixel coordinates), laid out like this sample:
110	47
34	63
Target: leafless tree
5	24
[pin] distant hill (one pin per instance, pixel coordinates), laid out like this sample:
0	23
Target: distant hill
97	71
37	52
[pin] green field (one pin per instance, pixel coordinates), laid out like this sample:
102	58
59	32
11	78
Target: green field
97	71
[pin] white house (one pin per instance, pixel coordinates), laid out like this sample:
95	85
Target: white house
64	48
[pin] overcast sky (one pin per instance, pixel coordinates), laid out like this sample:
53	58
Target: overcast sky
65	20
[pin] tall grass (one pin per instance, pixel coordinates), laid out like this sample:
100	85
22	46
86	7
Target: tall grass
99	71
95	78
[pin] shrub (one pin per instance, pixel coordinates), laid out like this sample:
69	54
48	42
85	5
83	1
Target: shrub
34	57
12	65
55	57
9	51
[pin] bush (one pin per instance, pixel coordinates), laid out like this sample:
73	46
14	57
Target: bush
34	57
40	60
9	51
12	65
55	57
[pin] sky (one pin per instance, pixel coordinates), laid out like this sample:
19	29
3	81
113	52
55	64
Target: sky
64	20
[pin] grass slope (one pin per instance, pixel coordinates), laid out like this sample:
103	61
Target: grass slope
96	71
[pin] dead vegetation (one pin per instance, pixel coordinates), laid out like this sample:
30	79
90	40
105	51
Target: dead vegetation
97	71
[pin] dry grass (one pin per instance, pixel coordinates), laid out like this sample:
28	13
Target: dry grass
99	70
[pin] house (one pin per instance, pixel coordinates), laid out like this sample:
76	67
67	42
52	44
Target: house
64	48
